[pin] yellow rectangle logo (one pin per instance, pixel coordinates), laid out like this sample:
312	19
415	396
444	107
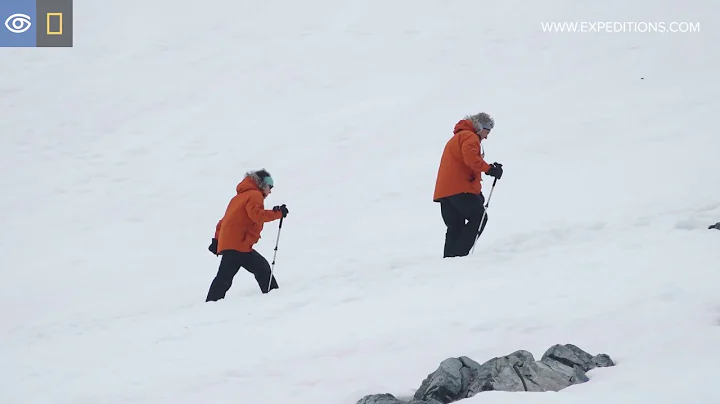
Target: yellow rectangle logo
60	20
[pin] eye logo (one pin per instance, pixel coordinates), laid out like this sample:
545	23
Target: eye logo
18	22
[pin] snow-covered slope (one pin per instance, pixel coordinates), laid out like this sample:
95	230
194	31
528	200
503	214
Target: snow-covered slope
118	156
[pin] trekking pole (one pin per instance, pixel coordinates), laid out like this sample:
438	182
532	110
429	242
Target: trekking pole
277	241
484	214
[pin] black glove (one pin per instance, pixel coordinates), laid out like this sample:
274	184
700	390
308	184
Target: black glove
213	246
495	170
282	208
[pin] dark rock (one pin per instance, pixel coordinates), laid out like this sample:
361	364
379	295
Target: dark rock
458	378
447	383
390	399
519	371
561	373
569	355
379	399
603	361
572	356
501	373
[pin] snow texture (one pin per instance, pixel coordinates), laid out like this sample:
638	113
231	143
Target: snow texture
118	156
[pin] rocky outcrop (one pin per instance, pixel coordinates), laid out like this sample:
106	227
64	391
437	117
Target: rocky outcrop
390	399
459	378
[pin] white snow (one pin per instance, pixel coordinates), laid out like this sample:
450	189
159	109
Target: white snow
118	156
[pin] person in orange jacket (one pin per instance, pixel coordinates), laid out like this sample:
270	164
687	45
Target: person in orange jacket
238	231
458	187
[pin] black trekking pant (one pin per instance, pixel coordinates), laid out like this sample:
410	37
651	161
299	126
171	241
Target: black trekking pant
231	263
462	214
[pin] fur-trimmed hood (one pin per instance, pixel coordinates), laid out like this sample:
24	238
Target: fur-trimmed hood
481	121
254	180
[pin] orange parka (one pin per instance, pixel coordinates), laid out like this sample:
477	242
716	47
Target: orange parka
461	163
240	227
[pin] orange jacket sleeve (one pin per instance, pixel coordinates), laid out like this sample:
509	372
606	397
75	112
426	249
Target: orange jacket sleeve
257	212
217	229
471	153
